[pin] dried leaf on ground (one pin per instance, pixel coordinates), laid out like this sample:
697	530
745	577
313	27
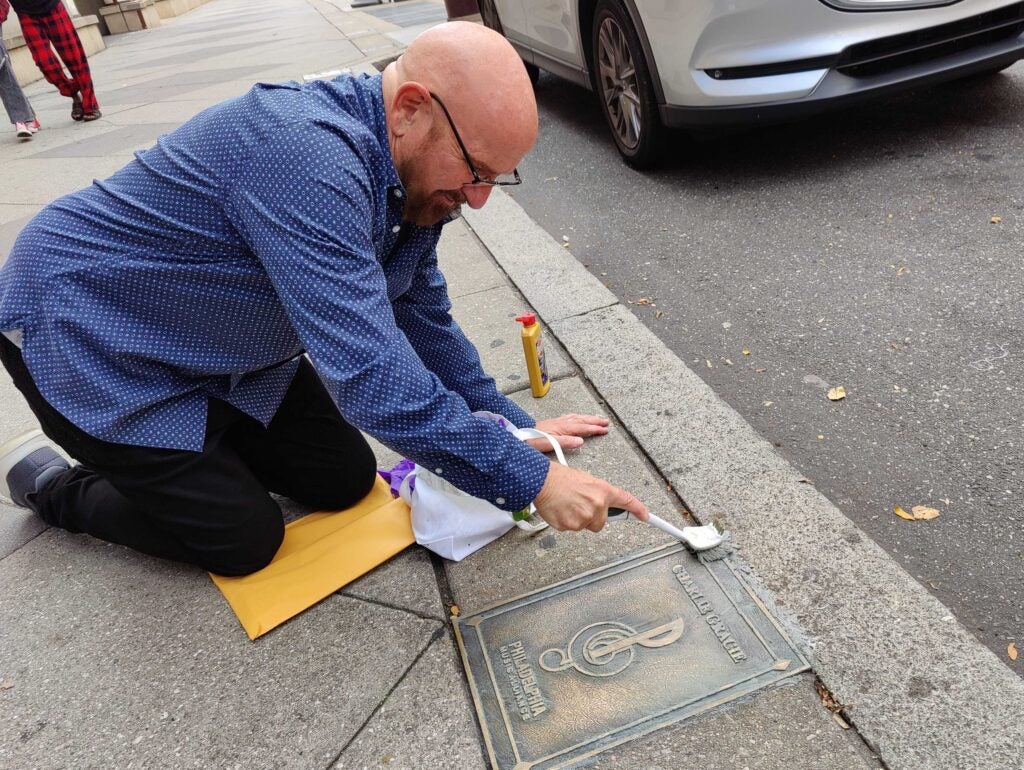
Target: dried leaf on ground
840	721
898	510
745	352
1012	651
658	313
996	220
827	700
643	301
837	393
924	513
7	684
455	610
901	271
761	370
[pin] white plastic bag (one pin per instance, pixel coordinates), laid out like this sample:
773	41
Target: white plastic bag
454	524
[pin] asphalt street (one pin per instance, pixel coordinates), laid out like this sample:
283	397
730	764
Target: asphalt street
877	248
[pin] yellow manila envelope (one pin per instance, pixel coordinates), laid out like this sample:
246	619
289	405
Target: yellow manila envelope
321	553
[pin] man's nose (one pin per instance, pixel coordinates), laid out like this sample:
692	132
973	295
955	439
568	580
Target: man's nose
476	195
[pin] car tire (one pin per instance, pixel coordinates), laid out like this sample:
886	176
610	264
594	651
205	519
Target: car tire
489	16
533	71
623	83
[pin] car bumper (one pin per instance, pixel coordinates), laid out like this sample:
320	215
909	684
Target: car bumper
747	55
833	90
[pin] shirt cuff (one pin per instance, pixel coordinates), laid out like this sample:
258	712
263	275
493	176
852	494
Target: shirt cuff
515	414
521	485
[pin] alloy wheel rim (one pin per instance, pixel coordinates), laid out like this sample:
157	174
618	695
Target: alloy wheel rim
617	75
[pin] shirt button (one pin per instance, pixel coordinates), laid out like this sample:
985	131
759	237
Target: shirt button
438	471
396	228
500	500
398	193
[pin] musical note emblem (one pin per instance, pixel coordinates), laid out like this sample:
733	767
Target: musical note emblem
607	648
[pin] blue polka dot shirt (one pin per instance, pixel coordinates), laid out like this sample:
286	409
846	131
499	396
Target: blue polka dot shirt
265	226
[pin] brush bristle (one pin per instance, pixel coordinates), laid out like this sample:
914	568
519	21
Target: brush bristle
719	552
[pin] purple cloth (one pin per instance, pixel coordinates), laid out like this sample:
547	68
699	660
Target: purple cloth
397	475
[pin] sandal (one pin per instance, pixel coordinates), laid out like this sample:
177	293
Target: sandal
77	111
92	115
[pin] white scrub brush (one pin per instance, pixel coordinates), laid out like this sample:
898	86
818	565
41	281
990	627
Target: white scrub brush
709	543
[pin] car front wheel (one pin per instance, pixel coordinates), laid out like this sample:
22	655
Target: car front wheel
623	83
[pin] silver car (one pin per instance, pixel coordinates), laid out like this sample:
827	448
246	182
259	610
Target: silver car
702	63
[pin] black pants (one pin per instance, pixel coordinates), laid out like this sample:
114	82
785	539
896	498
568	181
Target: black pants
209	508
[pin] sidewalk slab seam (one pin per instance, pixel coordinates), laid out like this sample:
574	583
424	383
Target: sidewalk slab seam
390	606
434	636
410	712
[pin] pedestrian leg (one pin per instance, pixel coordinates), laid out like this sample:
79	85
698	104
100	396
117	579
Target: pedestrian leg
17	106
60	30
43	55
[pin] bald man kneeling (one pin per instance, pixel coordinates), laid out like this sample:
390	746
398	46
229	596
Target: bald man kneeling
221	318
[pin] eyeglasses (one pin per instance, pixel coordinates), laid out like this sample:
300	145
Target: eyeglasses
477	179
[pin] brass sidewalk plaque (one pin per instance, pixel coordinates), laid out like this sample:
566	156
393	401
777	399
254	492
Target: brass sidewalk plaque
570	670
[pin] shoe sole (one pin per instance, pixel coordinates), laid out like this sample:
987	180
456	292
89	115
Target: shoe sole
11	454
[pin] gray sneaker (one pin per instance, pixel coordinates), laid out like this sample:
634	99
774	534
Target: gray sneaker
27	464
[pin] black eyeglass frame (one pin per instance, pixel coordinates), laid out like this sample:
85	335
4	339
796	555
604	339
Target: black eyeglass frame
477	179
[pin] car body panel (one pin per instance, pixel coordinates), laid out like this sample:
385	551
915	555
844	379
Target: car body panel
752	32
551	26
684	40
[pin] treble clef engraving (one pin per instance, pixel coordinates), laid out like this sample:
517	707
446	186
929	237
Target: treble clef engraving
607	648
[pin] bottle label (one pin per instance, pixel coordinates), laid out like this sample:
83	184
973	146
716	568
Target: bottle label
541	362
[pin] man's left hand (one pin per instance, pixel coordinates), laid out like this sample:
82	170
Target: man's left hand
569	430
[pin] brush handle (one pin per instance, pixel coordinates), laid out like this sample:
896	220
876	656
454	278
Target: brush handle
664	526
655	521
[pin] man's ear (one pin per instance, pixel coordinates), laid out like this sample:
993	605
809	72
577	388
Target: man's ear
410	108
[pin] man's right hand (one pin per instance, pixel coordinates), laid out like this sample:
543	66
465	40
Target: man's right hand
573	500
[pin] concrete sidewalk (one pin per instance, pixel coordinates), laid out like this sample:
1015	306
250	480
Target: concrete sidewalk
112	659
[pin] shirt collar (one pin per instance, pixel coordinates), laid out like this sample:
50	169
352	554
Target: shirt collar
380	130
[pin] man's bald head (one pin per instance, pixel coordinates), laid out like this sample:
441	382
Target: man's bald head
481	80
483	84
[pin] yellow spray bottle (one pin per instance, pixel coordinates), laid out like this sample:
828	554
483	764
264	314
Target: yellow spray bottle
533	347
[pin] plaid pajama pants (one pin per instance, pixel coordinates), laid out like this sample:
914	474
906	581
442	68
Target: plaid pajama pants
56	28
